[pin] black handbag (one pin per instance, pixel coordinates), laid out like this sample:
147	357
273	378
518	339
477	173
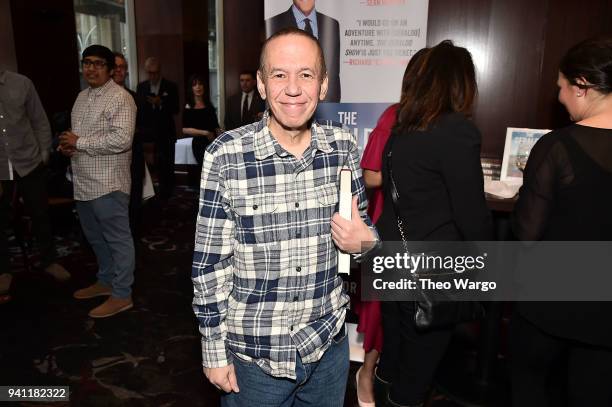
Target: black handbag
430	313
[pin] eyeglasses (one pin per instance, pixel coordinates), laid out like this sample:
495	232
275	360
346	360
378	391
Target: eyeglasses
122	67
86	63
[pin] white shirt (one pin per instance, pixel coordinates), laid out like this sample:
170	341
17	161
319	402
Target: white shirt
249	96
104	119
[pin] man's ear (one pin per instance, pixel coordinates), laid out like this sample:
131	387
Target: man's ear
261	87
324	86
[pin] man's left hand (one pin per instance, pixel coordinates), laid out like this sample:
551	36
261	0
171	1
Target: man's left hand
350	235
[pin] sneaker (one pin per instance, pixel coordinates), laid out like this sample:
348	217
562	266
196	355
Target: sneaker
111	306
96	290
58	272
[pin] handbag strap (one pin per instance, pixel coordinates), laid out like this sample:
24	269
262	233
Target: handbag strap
394	193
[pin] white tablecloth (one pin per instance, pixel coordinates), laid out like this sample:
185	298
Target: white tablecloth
183	154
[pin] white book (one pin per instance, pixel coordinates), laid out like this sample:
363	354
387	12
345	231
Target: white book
344	259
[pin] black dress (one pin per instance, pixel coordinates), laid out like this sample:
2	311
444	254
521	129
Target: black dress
201	119
440	182
567	195
439	179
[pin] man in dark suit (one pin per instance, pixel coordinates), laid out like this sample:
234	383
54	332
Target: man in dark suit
137	168
244	107
302	14
158	105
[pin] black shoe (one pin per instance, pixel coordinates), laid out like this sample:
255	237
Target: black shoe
391	403
381	390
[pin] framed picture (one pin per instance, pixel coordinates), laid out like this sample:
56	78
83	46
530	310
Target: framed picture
516	151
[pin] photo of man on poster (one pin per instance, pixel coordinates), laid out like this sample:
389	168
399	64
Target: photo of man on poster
303	15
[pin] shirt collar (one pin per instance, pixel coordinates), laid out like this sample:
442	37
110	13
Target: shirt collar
102	89
265	145
299	16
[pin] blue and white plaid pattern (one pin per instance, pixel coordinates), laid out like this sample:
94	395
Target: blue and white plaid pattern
264	267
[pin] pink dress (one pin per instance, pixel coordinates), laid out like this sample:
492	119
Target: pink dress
370	320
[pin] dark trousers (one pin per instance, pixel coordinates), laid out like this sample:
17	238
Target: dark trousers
536	354
164	159
33	190
409	357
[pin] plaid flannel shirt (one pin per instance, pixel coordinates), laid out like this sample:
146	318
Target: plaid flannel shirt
265	266
104	118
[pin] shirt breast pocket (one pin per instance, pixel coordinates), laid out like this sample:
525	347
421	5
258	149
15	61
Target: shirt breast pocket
327	196
257	219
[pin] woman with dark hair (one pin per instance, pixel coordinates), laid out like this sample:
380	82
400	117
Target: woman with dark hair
436	168
370	324
567	195
199	117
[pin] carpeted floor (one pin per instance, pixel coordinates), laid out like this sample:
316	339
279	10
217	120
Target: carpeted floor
147	356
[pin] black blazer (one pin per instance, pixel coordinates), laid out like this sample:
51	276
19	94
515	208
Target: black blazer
158	124
233	110
439	179
329	38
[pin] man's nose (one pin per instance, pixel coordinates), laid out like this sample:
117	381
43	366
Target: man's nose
293	87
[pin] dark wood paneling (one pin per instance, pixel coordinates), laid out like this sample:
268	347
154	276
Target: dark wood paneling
159	29
244	32
46	50
516	47
496	32
195	39
567	25
8	59
159	33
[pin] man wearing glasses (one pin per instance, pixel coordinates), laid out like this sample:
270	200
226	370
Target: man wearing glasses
99	144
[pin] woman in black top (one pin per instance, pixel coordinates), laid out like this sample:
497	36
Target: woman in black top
199	117
436	167
567	195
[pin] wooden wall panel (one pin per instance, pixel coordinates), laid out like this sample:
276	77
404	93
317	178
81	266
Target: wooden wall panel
516	47
244	32
159	33
46	50
567	25
8	59
508	71
195	39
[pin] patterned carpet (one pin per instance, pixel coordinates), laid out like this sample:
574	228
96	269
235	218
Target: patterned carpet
147	356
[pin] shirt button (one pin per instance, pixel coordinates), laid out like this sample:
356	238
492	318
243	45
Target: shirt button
255	207
295	298
298	234
297	204
298	269
291	328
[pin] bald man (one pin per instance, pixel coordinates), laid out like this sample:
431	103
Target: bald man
158	104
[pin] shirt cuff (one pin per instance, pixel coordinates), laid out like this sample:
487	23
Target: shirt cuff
81	144
359	257
214	353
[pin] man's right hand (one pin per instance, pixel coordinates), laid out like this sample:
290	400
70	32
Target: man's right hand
223	378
